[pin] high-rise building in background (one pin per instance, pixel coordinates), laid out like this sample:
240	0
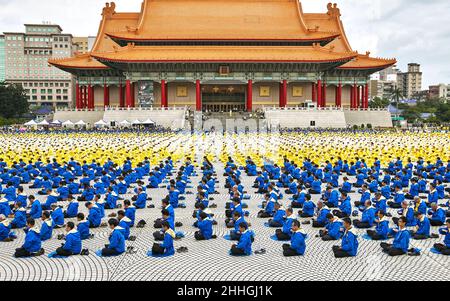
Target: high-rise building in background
410	82
81	44
2	58
26	62
383	83
440	91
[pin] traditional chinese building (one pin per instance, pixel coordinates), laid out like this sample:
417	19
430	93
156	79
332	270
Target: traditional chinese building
222	54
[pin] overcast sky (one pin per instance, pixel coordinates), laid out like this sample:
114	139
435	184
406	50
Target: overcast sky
409	30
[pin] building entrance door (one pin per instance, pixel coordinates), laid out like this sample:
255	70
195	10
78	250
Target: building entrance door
224	98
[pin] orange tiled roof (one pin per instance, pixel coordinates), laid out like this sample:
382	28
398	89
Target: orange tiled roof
221	20
111	22
331	21
133	53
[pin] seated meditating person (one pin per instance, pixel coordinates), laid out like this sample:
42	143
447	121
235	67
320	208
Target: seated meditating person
368	217
32	245
5	229
399	197
349	246
420	205
116	244
345	207
94	216
57	216
379	202
166	217
130	212
331	197
400	245
308	207
165	248
437	215
234	207
36	208
46	231
72	208
346	186
205	226
269	209
20	216
52	198
111	199
278	218
285	233
382	227
408	212
298	245
83	226
320	220
316	186
444	248
423	227
238	220
413	190
365	195
299	199
124	223
73	244
333	229
140	200
293	187
244	247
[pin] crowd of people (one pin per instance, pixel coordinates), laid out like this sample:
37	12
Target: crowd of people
401	182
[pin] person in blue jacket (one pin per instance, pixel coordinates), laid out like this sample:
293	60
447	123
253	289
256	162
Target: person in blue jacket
124	223
420	205
140	199
322	212
5	209
166	248
20	216
46	227
400	246
379	202
238	220
111	199
72	208
83	226
298	244
349	246
382	227
205	226
399	197
36	208
333	229
368	217
332	198
423	228
130	212
408	212
269	210
345	208
32	245
308	207
57	216
444	248
437	215
278	218
116	244
73	244
94	216
10	192
52	198
166	217
285	233
244	247
5	229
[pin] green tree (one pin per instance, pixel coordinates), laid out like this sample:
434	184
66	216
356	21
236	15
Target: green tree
13	101
396	95
378	102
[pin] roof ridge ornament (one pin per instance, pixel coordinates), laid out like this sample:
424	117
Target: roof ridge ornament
109	10
333	10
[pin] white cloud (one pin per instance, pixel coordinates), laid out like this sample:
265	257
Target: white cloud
410	30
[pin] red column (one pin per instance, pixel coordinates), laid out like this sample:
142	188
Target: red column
250	95
285	96
163	94
336	96
319	93
121	96
77	96
313	93
128	99
363	97
82	97
105	95
133	95
324	97
281	96
352	97
366	94
198	96
89	97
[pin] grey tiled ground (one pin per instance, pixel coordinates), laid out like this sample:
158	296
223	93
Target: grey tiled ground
209	260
